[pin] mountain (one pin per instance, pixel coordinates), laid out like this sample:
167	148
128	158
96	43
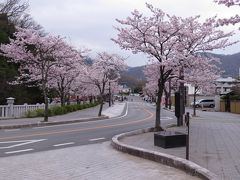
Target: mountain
229	63
136	72
133	77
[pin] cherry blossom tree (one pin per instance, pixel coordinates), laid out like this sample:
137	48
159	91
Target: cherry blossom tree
154	36
167	40
104	69
81	88
37	56
152	73
203	76
231	20
63	77
194	40
150	90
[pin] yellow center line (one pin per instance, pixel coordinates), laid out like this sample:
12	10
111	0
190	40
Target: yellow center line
79	130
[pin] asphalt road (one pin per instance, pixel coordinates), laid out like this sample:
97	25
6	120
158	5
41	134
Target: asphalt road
138	114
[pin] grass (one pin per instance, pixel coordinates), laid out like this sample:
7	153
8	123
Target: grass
58	110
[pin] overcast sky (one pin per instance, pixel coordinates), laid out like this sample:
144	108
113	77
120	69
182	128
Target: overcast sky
89	23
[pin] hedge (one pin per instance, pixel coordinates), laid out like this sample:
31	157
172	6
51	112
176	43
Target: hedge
59	110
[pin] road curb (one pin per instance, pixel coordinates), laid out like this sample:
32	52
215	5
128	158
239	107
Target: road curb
40	124
166	159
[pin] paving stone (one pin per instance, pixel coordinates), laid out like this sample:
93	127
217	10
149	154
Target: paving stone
214	143
91	162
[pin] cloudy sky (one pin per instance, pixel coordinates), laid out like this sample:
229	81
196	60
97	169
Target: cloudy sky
89	23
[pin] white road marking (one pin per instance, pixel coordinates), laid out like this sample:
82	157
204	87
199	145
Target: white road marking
24	150
64	144
97	139
20	143
10	130
40	127
166	118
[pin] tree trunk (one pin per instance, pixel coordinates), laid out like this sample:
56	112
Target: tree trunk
68	99
169	95
166	98
194	102
109	92
101	90
112	101
46	103
101	105
158	107
62	98
78	102
90	99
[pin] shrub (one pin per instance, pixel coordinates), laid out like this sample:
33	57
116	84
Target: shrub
35	113
58	110
235	97
231	97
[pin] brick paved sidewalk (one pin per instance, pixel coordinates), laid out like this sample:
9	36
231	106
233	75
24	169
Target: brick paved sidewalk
214	143
91	162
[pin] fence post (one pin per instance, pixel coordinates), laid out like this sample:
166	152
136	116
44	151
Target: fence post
10	102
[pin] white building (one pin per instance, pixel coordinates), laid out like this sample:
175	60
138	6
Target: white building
224	85
125	89
190	89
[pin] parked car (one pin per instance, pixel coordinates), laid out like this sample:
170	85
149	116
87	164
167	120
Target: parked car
204	103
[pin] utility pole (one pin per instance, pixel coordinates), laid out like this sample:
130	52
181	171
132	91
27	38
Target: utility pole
182	97
180	100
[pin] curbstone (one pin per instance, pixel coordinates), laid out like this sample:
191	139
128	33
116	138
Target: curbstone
166	159
40	124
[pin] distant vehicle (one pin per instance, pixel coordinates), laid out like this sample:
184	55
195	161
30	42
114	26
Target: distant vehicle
134	94
204	103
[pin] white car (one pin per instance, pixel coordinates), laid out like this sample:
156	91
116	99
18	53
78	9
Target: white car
204	103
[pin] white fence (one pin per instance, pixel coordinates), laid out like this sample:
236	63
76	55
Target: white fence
17	111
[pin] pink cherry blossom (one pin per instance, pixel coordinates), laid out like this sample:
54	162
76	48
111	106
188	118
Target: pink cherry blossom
170	41
230	20
105	68
38	56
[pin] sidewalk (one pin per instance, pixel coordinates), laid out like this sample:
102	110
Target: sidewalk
115	110
214	143
89	162
78	116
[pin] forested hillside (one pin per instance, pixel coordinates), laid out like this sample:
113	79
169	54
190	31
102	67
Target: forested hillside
229	63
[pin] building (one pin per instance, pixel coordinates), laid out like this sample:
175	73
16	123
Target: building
125	89
224	85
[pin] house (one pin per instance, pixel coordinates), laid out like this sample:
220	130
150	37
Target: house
224	85
125	89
